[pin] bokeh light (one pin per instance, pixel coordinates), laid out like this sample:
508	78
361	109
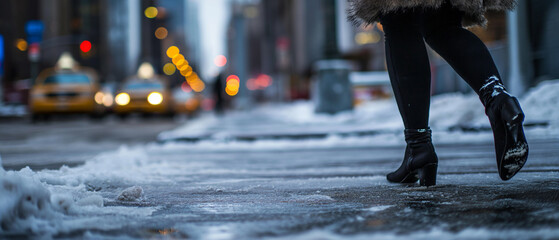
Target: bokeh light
122	99
232	85
232	77
146	71
261	82
185	87
184	67
108	100
198	86
21	45
251	84
220	61
85	46
99	97
161	33
177	58
151	12
187	72
231	92
169	69
173	51
155	98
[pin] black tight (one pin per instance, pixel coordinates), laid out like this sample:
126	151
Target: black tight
408	64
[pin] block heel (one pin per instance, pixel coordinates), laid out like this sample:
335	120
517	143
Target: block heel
420	160
428	175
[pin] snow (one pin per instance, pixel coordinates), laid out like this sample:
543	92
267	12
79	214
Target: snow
25	204
131	194
40	203
436	233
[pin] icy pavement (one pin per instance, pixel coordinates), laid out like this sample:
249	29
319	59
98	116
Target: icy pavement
154	192
230	186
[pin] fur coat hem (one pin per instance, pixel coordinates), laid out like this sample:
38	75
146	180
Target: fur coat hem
369	11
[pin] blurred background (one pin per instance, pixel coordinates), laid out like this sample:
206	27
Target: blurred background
229	54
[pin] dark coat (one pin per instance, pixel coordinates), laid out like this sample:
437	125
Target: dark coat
369	11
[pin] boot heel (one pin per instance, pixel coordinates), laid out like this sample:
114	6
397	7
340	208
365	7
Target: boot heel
428	175
511	112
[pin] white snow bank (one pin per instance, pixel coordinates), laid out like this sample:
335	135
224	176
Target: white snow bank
44	203
542	103
25	205
448	111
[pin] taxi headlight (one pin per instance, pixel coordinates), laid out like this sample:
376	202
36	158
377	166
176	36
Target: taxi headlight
108	100
122	99
155	98
99	97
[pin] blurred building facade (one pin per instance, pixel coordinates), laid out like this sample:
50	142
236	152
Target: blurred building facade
285	38
279	38
121	37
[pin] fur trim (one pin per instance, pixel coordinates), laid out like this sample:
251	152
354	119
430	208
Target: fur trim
369	11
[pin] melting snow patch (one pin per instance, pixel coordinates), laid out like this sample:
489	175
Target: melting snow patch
131	194
316	198
379	208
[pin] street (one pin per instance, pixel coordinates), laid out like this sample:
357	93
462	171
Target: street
251	190
71	142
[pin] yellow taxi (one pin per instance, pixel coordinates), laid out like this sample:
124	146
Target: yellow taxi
66	88
144	93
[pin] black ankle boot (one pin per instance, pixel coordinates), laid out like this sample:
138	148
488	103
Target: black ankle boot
420	160
506	117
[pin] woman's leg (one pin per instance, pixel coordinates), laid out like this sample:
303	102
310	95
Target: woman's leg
410	75
470	58
408	67
463	50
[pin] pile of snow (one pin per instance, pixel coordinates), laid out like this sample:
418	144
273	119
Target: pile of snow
25	205
542	103
44	203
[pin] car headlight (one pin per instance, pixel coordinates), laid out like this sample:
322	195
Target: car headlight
108	100
122	99
99	97
155	98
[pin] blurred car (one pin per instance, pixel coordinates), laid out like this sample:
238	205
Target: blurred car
66	88
139	95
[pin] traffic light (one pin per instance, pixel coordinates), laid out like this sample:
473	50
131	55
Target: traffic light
85	46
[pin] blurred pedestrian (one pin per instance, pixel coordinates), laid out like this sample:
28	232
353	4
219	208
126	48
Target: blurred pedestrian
218	90
407	25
